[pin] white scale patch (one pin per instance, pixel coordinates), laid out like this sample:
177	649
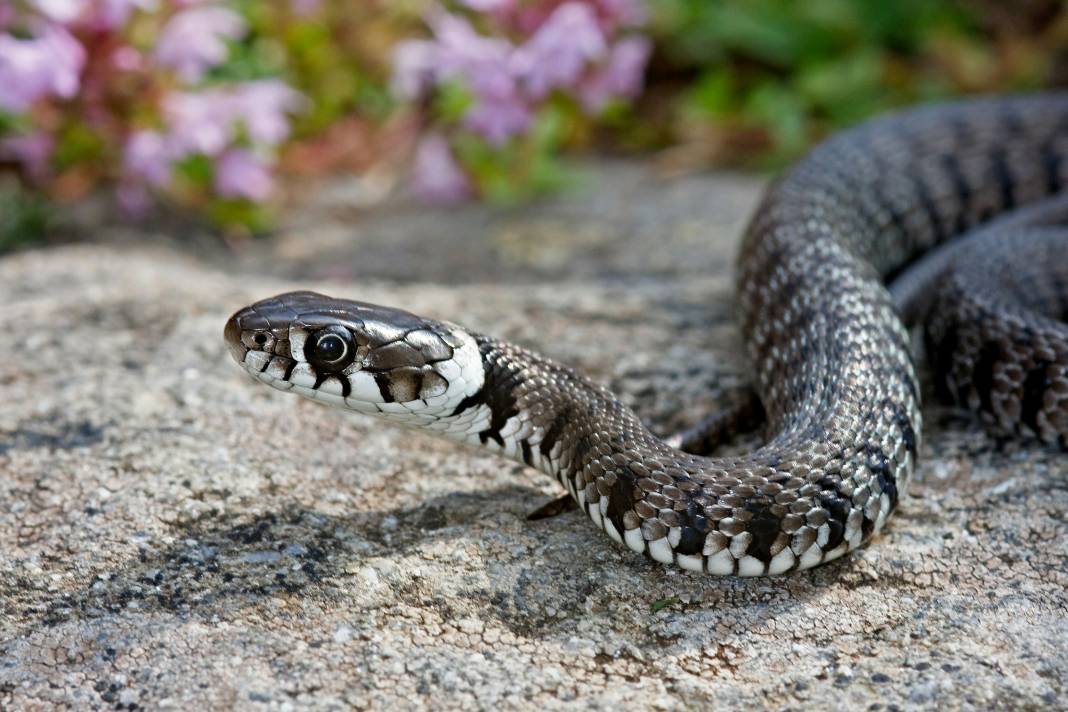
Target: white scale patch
633	537
721	563
690	562
811	557
782	561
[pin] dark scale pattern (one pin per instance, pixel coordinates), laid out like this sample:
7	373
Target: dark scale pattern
830	352
997	328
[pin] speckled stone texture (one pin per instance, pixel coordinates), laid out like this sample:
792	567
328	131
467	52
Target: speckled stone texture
173	536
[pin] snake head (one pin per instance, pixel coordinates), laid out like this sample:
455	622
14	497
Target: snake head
365	357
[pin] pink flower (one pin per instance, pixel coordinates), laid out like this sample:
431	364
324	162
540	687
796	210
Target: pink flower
558	53
148	157
490	5
262	106
499	119
127	59
33	151
243	174
199	121
415	68
457	52
622	13
193	40
206	121
620	76
48	64
436	177
482	64
97	14
112	14
62	11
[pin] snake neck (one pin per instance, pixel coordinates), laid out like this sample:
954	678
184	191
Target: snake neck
548	416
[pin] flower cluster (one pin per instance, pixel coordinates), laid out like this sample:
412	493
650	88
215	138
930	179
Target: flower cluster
135	76
529	53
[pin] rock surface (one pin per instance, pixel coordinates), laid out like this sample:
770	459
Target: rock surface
173	536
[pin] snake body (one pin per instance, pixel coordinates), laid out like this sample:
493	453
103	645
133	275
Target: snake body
829	348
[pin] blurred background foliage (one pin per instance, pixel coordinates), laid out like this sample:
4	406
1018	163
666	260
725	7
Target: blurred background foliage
230	109
760	80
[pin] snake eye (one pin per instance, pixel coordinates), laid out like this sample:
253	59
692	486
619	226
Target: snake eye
330	349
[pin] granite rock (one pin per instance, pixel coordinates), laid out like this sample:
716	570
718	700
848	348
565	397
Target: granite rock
173	536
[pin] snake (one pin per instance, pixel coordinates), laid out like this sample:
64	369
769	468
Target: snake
969	194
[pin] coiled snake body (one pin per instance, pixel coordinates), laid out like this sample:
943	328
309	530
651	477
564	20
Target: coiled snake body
828	343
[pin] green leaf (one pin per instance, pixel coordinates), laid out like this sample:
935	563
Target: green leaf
713	92
239	214
24	216
663	603
77	143
774	105
198	169
452	100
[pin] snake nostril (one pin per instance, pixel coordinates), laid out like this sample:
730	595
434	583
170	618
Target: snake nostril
260	339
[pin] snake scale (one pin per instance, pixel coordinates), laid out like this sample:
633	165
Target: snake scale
829	346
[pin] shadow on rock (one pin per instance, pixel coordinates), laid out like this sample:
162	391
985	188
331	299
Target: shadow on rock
219	567
222	564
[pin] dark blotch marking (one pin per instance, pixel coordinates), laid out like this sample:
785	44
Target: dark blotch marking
951	165
554	431
497	393
941	351
1034	390
502	406
415	385
1051	166
468	402
346	387
983	374
867	526
382	381
838	510
908	433
528	455
765	527
879	465
999	164
896	219
692	542
490	434
829	482
888	482
926	200
621	499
